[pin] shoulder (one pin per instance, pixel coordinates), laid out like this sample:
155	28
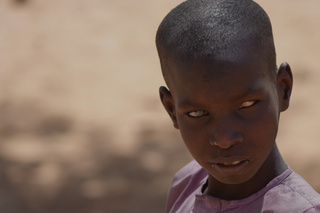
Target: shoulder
186	183
293	193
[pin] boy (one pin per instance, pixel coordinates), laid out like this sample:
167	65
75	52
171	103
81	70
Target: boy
225	96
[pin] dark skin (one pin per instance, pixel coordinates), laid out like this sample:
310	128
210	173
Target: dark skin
228	115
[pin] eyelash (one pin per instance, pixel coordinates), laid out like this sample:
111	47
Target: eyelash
201	113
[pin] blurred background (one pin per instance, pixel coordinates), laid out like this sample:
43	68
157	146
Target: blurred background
81	125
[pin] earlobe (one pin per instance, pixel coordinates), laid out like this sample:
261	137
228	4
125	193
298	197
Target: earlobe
284	82
167	101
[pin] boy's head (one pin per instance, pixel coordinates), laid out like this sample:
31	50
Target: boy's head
226	94
214	30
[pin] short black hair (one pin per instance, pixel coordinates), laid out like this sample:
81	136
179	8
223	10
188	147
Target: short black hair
213	29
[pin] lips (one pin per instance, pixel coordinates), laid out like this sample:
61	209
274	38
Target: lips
235	163
230	164
231	161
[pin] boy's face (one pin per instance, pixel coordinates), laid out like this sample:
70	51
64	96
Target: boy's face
228	114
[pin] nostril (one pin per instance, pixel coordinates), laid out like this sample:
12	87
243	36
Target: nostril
226	142
221	145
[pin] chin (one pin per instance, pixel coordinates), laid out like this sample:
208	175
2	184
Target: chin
234	179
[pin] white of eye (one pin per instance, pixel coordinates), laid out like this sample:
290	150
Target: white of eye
197	113
247	104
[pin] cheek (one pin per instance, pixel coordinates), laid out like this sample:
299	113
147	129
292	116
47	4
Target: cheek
194	136
263	128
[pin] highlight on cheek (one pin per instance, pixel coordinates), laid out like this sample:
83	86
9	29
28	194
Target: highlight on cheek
198	113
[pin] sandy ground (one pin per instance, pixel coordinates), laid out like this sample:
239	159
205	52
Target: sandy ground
81	126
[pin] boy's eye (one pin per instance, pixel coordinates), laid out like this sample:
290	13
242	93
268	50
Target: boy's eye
247	104
198	113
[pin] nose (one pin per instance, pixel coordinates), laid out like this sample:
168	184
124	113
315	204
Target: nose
226	133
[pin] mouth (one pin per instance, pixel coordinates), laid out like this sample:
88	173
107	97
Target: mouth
234	163
232	167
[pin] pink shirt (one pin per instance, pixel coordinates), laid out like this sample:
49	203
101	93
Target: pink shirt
286	193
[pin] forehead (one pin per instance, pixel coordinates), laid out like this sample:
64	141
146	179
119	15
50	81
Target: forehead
243	54
225	63
219	78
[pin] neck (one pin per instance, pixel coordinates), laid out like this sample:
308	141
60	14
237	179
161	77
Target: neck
271	168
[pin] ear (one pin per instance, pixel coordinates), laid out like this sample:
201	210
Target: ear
168	103
284	82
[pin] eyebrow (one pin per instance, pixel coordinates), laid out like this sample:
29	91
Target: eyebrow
187	103
250	91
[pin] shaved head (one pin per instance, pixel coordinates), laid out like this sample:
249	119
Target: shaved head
214	30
